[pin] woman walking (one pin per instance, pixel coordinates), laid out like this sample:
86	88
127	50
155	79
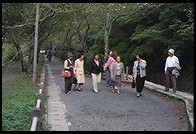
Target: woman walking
116	74
68	65
110	62
139	73
108	80
96	69
79	71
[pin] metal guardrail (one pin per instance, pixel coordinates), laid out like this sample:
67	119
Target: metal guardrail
36	111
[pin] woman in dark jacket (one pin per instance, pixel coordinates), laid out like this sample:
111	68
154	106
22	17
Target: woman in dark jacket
96	69
68	65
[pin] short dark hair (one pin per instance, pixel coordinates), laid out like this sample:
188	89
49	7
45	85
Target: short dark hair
139	55
95	54
80	54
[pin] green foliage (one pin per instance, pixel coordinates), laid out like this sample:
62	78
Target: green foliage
18	98
60	54
17	103
149	29
8	53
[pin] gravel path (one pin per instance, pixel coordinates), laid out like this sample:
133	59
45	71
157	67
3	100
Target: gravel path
106	111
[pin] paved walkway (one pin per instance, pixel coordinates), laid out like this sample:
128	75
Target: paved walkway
56	109
105	111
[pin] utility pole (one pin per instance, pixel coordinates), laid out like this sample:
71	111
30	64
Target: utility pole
36	42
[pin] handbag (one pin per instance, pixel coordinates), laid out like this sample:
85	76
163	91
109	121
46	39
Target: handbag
133	84
65	73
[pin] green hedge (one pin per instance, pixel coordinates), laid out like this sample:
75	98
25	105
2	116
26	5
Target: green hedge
8	52
18	99
17	103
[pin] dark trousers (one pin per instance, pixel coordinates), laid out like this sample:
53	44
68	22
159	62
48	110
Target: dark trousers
140	83
170	78
68	84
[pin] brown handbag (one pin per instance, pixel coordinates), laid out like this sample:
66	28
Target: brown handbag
65	73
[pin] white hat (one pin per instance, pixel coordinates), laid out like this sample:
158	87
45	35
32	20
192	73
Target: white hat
171	51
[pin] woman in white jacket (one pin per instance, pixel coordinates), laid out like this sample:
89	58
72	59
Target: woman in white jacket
139	74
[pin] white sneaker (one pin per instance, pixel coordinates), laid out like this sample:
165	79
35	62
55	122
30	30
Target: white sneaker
115	87
96	91
138	95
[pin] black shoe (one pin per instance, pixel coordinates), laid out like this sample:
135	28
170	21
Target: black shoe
166	90
78	89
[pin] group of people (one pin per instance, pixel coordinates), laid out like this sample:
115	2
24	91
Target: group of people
114	69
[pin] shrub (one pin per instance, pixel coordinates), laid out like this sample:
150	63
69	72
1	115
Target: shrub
8	52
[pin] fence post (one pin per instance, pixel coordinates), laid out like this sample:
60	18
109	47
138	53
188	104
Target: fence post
38	95
127	72
36	113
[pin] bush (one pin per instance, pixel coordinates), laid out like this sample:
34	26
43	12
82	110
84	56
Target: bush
18	99
17	102
60	54
8	52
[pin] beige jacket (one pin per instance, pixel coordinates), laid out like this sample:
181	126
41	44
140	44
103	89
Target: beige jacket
142	68
114	71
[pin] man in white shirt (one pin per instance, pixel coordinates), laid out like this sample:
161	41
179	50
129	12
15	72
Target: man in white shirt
169	66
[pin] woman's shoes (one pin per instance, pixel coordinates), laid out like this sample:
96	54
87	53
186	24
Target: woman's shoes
69	92
139	94
78	89
117	90
95	91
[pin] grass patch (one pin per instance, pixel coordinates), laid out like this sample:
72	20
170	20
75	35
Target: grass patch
17	104
18	99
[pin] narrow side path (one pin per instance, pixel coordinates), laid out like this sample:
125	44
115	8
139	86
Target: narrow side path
56	109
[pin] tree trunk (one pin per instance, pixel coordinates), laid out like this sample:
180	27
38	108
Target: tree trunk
18	48
107	25
20	55
30	61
